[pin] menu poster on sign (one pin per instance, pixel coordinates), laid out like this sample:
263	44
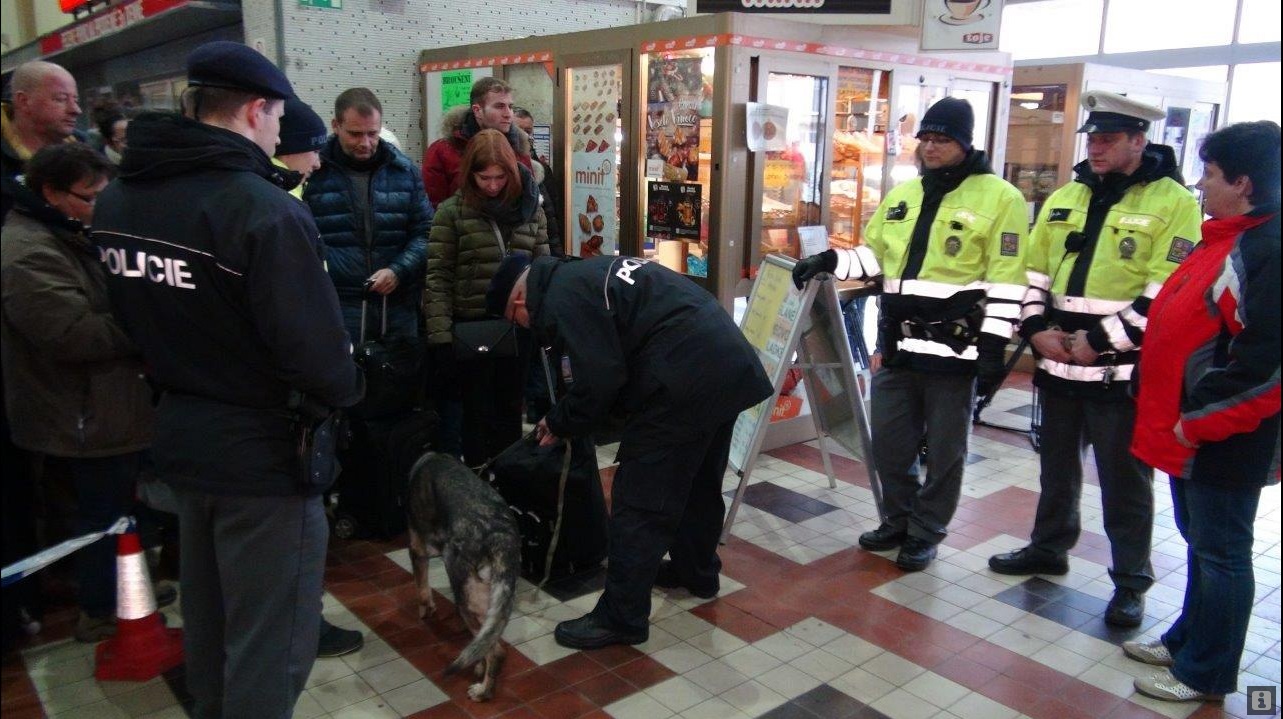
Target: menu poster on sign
686	212
594	172
766	126
769	324
659	210
456	88
676	91
541	140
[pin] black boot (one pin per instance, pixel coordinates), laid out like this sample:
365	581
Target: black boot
1126	609
591	632
1028	560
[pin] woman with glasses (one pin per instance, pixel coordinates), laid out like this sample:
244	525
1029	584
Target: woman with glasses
74	386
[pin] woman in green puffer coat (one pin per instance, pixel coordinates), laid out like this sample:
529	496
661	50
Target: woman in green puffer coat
495	212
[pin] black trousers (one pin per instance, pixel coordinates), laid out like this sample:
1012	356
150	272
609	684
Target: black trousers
671	503
1069	424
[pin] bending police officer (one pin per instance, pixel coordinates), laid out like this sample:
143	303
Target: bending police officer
647	342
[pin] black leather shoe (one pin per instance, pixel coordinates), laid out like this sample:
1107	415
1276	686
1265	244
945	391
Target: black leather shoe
666	578
337	641
915	554
1028	560
883	538
1126	609
589	632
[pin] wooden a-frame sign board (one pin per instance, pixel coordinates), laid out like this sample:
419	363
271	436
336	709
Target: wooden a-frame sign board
782	322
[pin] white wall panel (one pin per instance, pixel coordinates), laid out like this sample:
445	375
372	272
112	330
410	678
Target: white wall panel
376	44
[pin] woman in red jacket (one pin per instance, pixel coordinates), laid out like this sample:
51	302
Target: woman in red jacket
1208	409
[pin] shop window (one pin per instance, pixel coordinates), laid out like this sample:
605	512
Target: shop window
1255	92
678	154
859	151
1139	25
1053	28
1034	132
1259	21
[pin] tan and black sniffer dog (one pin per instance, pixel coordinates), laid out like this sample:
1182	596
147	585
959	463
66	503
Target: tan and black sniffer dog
457	516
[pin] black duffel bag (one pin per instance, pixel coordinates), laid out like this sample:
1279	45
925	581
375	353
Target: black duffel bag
528	477
393	367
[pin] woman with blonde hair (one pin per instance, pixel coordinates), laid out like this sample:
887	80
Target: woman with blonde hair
496	212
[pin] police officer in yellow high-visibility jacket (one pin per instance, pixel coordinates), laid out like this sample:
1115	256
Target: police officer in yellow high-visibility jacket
1099	252
950	247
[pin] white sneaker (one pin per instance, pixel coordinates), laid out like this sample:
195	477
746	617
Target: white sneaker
1170	689
1152	652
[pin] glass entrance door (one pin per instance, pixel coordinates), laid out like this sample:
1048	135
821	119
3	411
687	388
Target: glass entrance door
790	172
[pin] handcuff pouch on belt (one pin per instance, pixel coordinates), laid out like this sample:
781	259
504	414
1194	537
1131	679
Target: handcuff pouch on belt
956	333
316	428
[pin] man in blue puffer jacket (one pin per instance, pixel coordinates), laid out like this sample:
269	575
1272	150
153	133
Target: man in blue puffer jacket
373	216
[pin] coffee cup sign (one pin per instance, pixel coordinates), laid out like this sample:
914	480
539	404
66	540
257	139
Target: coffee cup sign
962	10
962	25
766	126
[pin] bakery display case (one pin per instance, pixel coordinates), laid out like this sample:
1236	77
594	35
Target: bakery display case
859	151
653	153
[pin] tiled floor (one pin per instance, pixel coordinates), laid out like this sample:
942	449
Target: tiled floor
807	625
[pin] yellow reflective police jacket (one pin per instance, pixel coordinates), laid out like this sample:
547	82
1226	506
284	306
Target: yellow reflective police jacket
974	261
1103	281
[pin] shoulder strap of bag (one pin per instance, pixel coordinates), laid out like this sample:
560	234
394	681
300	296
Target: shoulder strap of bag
365	303
498	236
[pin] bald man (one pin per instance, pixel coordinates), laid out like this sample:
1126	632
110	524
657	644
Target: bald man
43	111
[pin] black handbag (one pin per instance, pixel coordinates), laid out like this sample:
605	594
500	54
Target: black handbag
484	338
479	339
393	367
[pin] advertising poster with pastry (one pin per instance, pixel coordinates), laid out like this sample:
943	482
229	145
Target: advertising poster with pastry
659	210
676	92
686	212
767	126
594	174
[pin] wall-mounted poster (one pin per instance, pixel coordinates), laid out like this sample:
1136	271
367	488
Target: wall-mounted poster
686	212
659	210
594	171
456	89
767	126
676	92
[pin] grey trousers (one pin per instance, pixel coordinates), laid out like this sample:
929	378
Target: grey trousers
251	586
1070	424
907	406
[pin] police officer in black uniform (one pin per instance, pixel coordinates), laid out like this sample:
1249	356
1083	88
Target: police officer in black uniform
216	273
644	341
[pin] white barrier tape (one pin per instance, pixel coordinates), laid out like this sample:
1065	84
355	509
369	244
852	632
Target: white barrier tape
44	558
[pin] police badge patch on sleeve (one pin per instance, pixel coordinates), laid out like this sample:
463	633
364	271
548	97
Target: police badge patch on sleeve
1180	249
1059	214
1010	244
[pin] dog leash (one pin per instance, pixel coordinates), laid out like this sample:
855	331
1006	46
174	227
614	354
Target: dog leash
561	498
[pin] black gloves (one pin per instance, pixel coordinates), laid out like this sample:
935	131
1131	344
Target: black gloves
826	261
991	365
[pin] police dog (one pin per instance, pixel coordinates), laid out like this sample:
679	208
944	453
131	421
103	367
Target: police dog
455	515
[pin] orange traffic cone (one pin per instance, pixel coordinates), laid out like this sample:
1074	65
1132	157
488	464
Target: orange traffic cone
143	647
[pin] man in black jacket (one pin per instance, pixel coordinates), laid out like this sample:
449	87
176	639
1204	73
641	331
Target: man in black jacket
216	273
648	343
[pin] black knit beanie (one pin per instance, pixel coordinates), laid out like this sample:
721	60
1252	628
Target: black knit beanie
302	130
951	117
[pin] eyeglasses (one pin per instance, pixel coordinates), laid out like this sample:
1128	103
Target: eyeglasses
935	140
87	199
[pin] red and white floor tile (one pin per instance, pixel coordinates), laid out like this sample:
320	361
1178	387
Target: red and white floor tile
806	625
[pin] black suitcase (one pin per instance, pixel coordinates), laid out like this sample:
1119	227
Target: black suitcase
528	478
375	472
